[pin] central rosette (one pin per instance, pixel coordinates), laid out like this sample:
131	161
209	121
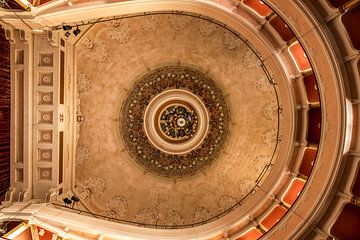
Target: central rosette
178	122
175	121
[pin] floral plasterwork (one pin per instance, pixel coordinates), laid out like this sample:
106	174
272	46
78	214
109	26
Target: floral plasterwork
118	204
269	111
269	137
146	215
82	154
230	40
250	60
96	185
98	53
174	218
226	202
201	214
83	82
207	28
258	162
149	23
95	51
178	22
263	85
121	33
114	23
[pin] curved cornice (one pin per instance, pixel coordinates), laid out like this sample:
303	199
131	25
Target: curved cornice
326	66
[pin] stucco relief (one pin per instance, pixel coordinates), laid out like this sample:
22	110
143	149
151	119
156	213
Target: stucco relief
115	182
149	23
83	82
258	162
269	111
88	43
96	52
96	185
174	218
114	23
226	202
121	33
245	186
250	60
201	214
263	85
99	53
118	204
269	137
230	40
147	215
178	22
82	154
207	28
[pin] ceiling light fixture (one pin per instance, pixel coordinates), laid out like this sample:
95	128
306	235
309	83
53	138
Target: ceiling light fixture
77	31
75	200
66	27
67	201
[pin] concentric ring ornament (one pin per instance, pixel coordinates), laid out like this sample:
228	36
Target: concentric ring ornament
152	121
175	121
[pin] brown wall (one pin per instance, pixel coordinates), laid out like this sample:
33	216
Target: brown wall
4	114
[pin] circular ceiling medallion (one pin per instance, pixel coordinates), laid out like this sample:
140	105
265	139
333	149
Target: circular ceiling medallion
175	121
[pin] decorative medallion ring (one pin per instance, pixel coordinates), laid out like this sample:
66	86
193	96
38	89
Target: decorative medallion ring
175	121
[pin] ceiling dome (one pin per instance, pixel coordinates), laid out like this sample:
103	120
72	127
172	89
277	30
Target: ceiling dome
174	96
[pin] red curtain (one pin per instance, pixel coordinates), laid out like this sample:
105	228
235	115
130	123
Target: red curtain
4	114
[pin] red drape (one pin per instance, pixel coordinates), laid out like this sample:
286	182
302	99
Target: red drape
4	114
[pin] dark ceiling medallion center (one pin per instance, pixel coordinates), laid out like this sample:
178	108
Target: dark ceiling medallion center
178	122
175	121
